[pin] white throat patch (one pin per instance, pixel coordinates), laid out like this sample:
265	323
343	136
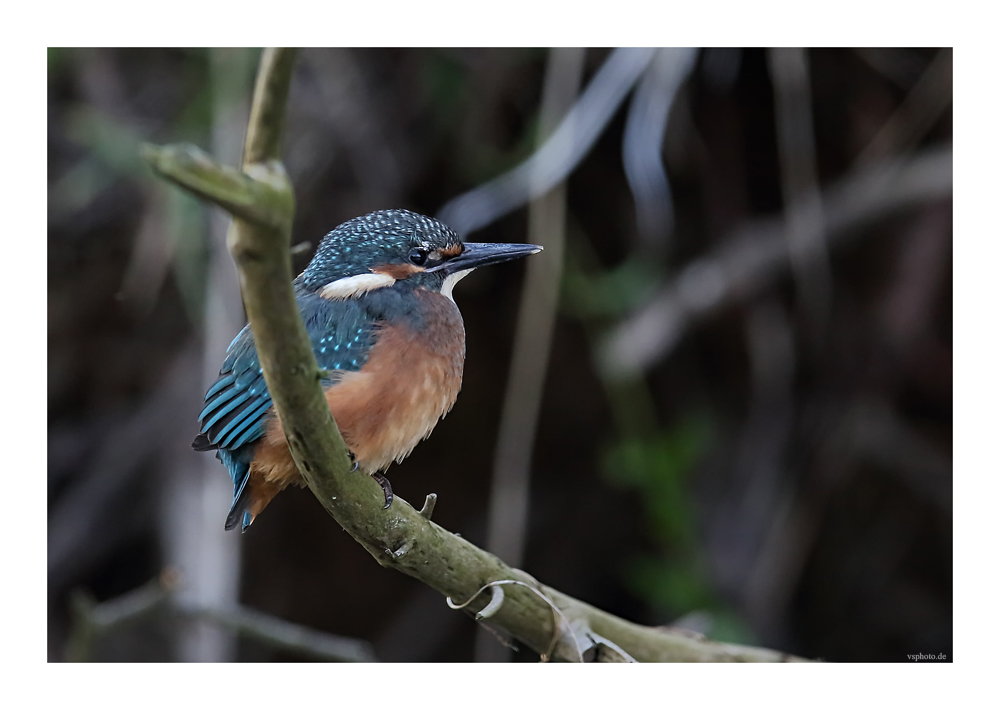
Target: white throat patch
450	281
354	286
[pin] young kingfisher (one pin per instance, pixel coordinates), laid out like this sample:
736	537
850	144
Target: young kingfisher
377	303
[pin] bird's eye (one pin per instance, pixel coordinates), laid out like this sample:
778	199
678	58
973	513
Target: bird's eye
417	256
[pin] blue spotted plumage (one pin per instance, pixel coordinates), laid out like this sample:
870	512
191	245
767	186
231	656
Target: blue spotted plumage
238	405
385	277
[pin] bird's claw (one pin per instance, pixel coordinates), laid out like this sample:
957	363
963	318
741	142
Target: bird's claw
382	481
386	488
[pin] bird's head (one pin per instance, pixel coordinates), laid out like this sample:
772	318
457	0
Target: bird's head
397	247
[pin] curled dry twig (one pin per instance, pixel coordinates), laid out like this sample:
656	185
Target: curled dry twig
559	619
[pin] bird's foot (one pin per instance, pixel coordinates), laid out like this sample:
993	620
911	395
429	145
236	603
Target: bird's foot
354	460
386	488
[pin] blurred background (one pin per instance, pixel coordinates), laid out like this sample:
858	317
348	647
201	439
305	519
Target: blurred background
721	399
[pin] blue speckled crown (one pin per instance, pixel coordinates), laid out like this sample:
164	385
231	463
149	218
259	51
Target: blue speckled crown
383	237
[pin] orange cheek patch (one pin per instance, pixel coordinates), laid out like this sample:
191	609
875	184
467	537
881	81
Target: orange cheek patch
451	250
398	271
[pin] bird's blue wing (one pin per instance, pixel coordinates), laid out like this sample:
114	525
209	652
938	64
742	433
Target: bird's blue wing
238	405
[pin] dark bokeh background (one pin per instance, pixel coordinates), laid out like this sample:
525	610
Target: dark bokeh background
780	475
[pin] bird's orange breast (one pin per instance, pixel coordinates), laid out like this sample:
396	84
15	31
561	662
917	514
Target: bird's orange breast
411	379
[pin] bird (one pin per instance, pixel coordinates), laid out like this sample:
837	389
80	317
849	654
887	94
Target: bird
377	302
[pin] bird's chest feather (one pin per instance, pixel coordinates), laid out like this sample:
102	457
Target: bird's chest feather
411	379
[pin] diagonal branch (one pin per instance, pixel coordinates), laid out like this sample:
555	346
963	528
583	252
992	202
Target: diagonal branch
400	537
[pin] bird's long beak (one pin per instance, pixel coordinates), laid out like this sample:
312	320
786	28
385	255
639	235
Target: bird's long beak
475	255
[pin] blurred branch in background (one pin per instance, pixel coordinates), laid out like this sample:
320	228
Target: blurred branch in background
899	66
336	95
507	519
642	146
807	249
106	488
758	253
918	280
149	263
162	597
759	468
560	154
193	536
761	480
917	114
855	431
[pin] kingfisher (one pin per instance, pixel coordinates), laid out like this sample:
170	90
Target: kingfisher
377	304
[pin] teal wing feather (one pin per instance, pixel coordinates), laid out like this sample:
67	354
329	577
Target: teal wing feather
238	405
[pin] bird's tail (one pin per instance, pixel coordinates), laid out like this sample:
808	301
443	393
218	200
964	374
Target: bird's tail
202	443
241	504
250	494
240	473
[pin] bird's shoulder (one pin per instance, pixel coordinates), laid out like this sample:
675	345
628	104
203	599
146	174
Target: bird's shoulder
238	403
341	332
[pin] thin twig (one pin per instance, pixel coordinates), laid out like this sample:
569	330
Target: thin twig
642	144
507	516
800	185
532	342
94	621
267	111
284	635
428	508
